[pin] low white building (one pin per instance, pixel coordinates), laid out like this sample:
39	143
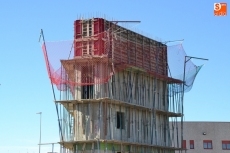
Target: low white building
206	137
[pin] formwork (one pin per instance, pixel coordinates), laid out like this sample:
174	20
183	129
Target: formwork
116	90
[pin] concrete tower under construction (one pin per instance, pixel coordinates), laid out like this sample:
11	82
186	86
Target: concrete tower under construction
117	93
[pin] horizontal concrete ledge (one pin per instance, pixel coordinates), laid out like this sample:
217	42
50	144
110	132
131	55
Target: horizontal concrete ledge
68	104
69	144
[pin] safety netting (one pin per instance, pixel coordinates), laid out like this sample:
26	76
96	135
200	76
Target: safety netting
181	66
93	60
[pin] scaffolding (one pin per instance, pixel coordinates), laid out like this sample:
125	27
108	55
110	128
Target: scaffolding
119	91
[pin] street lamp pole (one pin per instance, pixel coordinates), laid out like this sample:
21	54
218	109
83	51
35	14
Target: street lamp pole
40	131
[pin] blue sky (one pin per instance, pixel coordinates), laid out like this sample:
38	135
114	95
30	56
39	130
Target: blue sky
25	88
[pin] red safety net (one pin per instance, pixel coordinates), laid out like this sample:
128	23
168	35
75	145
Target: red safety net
93	60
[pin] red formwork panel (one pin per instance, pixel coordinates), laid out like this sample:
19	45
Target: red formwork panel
77	34
130	47
99	30
98	34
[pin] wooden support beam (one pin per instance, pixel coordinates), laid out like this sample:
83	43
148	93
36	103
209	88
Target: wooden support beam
92	149
83	148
